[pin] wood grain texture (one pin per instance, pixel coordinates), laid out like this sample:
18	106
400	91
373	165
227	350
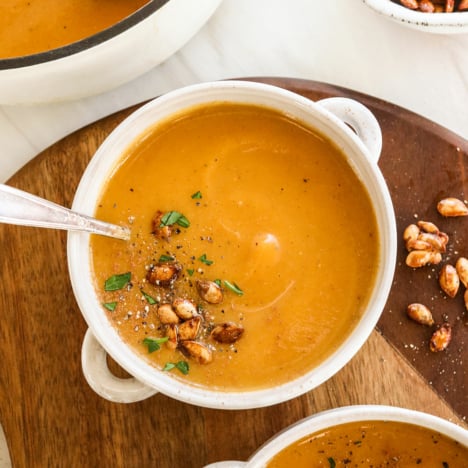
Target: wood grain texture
52	418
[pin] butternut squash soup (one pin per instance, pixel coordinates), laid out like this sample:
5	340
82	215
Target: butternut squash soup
28	27
373	444
253	253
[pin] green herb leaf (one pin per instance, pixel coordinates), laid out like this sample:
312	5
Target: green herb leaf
110	306
182	366
190	271
233	287
332	462
154	343
174	217
166	258
151	300
204	260
197	195
117	282
183	222
218	282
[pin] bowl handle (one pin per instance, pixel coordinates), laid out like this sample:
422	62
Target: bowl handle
101	379
360	119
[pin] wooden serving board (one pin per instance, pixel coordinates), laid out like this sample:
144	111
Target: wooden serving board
52	418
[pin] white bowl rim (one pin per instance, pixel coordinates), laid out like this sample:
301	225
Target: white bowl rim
456	21
353	413
202	396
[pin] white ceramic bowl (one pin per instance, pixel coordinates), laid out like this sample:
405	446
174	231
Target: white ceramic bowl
328	117
344	415
443	23
106	59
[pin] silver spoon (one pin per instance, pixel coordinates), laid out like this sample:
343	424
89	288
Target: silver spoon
25	209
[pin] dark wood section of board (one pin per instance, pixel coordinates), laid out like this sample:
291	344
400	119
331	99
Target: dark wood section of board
52	418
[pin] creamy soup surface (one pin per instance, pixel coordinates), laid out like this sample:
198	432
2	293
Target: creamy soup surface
377	444
272	213
29	27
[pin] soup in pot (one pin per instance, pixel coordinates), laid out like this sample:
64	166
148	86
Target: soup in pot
254	247
373	444
28	27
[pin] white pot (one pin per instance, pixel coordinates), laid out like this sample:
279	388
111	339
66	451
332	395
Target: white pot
347	414
328	117
107	59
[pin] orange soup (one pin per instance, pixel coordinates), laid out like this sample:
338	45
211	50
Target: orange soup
28	27
254	247
373	444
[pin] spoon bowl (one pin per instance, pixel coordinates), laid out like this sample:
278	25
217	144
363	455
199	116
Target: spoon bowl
25	209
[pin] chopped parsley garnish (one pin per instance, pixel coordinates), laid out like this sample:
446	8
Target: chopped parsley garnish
233	287
154	343
229	285
174	217
205	260
190	271
166	258
150	299
332	462
110	306
116	282
183	366
197	195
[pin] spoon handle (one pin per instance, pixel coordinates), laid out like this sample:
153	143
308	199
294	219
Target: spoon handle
25	209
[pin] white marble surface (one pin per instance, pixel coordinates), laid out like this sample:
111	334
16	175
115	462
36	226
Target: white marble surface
341	42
